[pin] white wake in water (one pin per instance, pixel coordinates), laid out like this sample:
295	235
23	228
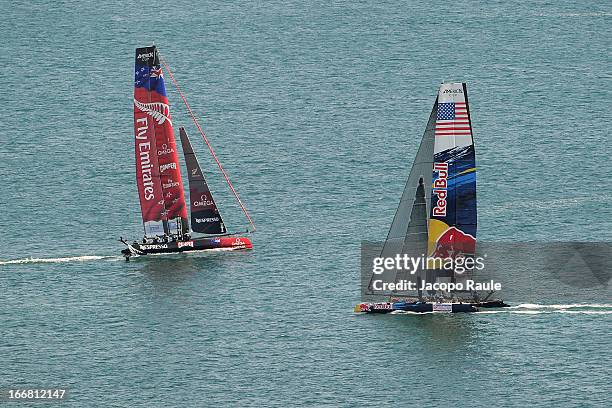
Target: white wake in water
536	309
84	258
572	308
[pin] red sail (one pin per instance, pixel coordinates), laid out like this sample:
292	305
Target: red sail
147	168
151	106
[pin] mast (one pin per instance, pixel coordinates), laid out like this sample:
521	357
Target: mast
152	116
205	216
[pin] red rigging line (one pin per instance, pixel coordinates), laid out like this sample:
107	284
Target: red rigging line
195	120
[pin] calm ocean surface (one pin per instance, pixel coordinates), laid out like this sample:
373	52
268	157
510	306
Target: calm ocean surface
316	111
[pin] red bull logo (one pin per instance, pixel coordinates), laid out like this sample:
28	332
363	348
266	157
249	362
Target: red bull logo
440	186
452	243
362	307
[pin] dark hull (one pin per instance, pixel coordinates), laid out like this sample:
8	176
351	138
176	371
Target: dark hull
491	304
426	307
196	244
435	307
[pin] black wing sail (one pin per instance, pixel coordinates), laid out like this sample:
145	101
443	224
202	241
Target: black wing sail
205	216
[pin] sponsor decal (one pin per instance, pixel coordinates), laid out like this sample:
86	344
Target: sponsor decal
204	201
165	167
442	307
144	155
452	91
156	246
165	150
439	188
185	244
145	57
209	219
382	306
170	184
454	242
364	307
157	110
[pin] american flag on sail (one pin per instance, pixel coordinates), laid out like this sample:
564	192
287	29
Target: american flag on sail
452	119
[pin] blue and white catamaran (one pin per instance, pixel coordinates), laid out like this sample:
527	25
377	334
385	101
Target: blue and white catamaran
436	217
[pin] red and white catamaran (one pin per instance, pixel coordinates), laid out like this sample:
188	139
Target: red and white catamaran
158	174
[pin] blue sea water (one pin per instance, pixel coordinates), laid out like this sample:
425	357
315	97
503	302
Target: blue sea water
316	110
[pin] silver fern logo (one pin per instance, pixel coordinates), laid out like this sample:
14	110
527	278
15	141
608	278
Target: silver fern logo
157	110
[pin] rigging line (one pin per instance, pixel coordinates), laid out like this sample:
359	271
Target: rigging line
195	120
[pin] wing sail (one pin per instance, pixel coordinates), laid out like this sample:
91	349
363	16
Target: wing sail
453	216
163	201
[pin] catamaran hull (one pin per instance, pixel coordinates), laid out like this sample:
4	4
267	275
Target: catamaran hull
491	304
425	307
197	244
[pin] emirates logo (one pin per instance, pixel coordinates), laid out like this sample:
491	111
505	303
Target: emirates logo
157	110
